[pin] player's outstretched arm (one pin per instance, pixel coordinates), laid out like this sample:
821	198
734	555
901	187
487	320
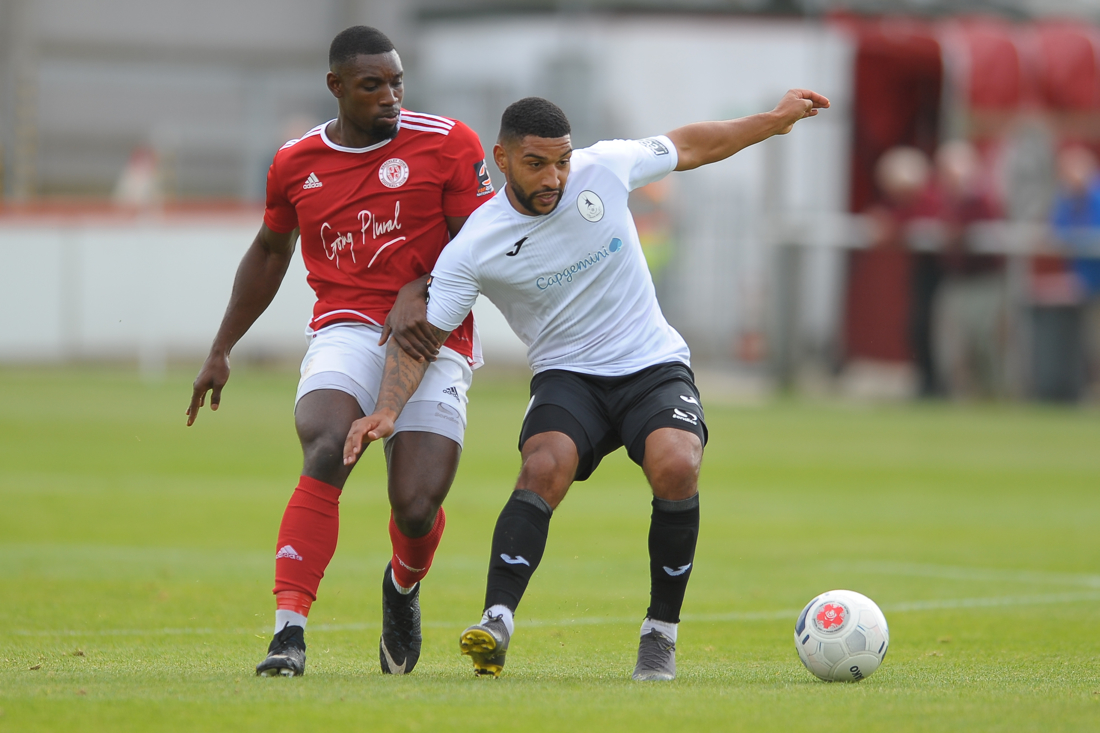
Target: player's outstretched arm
400	378
702	143
258	278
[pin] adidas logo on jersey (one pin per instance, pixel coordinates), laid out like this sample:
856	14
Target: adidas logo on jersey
312	181
288	552
452	392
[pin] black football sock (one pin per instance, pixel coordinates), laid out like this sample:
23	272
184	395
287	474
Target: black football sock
673	531
518	543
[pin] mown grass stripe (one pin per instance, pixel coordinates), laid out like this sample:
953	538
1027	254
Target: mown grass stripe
790	613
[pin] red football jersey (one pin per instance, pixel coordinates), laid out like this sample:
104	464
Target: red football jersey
371	219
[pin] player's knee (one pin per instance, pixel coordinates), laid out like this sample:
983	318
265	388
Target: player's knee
547	467
414	514
673	474
323	457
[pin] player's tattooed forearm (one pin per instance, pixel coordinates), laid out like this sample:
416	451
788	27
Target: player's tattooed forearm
402	375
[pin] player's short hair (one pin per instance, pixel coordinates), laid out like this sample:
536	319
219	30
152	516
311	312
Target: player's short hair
533	116
355	41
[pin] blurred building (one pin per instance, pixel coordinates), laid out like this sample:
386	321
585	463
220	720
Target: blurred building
118	118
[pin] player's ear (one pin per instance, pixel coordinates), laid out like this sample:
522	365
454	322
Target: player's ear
335	84
500	157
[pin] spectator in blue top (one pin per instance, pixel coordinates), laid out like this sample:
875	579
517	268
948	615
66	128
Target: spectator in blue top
1075	217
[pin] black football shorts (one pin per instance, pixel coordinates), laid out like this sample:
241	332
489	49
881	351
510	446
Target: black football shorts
602	414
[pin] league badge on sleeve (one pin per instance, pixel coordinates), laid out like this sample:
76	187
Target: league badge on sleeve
481	173
393	173
655	146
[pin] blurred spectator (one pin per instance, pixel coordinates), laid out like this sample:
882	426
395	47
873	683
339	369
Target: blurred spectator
1076	221
139	185
970	320
903	175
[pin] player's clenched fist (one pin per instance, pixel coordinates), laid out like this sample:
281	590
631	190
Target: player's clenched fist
366	430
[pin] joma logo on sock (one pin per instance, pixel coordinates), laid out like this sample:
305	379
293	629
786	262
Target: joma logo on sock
678	571
517	560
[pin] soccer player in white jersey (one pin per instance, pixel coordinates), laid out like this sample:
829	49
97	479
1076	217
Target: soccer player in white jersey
558	253
376	194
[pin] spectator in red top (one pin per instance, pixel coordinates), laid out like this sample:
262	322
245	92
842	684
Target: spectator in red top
969	321
904	177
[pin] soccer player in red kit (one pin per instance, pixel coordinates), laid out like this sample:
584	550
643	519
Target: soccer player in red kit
375	195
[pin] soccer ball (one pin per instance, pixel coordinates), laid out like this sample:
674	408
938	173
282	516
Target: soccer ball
841	636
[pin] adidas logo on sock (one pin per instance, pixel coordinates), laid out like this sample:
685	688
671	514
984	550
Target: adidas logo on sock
312	181
452	392
288	552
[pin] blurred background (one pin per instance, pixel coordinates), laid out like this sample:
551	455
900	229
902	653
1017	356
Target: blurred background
932	235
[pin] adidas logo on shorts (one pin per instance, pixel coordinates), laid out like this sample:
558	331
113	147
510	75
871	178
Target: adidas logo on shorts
452	392
312	182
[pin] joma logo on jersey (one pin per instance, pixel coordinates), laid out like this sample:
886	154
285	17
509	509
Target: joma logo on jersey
593	259
335	243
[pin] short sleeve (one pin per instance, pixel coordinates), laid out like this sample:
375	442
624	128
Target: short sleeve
467	184
638	162
453	287
279	213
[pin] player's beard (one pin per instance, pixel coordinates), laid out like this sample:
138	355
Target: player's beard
384	132
527	200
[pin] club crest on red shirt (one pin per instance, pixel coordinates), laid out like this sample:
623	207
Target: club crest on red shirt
393	173
831	617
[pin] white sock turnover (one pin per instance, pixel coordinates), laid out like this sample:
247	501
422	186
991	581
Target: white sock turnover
505	613
664	627
400	588
285	618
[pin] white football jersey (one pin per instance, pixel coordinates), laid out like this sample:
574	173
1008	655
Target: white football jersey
573	284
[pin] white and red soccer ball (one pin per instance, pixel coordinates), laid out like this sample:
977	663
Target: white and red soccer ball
841	636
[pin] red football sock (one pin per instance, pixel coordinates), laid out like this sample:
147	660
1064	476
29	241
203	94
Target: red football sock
292	600
412	557
307	540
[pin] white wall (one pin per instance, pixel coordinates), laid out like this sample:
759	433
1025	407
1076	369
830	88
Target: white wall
639	76
83	288
151	288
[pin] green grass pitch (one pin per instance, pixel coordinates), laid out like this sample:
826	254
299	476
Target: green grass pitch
136	563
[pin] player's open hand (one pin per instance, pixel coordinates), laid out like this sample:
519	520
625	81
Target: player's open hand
212	377
364	431
798	104
408	324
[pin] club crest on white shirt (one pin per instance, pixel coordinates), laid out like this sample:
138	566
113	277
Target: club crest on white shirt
393	173
590	205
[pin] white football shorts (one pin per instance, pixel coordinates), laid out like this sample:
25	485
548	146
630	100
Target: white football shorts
347	357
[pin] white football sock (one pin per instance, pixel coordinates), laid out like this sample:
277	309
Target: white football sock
664	627
506	615
400	588
285	618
